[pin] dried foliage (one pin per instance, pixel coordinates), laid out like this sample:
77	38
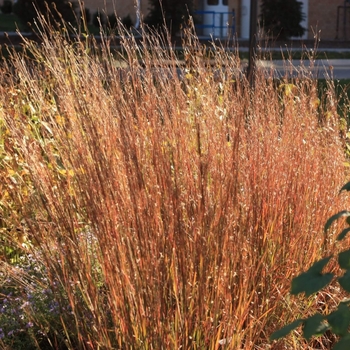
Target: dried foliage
168	207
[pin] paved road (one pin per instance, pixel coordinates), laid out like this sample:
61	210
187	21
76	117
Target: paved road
322	69
333	68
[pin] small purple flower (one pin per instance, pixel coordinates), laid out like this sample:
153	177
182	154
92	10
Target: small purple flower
29	325
53	306
47	291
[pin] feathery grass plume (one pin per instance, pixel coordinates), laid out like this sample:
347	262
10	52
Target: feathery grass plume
168	204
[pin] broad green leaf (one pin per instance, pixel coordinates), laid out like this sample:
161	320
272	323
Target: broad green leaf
343	344
343	233
319	265
314	326
339	320
346	187
335	217
344	259
310	283
312	280
344	281
285	330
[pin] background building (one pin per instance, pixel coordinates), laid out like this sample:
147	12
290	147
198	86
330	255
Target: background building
320	15
331	18
122	8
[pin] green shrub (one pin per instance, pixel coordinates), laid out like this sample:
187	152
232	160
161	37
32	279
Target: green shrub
170	14
282	18
55	11
99	19
87	15
6	7
30	315
127	22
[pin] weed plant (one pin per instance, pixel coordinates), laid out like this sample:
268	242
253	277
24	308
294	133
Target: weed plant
147	206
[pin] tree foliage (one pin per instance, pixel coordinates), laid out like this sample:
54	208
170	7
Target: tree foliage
170	13
27	10
282	18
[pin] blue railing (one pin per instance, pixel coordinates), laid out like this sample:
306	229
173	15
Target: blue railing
218	24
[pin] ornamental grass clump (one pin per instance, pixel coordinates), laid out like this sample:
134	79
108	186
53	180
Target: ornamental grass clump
166	204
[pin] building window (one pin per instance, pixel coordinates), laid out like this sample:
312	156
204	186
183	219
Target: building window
213	2
225	2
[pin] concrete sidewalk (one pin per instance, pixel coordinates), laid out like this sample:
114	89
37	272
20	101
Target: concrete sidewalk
332	68
243	45
322	69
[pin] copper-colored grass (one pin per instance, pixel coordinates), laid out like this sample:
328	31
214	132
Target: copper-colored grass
172	210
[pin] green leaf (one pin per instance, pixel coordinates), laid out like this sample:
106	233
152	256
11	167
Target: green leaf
346	187
343	343
285	330
335	217
312	280
310	283
343	233
344	259
314	326
344	281
339	320
319	265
